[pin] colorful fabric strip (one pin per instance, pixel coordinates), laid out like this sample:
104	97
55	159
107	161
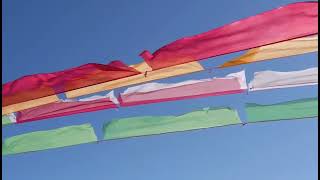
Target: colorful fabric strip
178	70
271	79
150	125
42	140
278	50
41	85
68	107
161	92
298	109
284	23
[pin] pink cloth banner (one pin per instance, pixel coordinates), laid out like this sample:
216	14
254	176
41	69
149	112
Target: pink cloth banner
67	107
280	24
158	92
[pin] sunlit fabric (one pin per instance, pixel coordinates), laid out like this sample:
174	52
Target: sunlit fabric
272	79
161	92
29	104
304	108
42	140
282	49
41	85
173	71
68	107
280	24
181	69
150	125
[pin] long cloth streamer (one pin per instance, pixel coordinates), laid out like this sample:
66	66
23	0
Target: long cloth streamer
284	23
278	50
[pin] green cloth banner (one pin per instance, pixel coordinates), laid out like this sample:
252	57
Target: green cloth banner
42	140
150	125
6	120
298	109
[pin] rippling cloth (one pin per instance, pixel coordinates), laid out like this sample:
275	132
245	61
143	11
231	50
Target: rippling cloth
41	85
278	50
55	138
272	79
161	92
280	24
68	107
150	125
303	108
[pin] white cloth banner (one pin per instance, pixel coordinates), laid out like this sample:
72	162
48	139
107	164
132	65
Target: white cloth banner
272	79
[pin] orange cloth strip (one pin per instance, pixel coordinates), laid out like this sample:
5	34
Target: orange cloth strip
283	49
137	79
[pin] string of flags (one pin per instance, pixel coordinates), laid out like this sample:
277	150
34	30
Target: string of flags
154	125
282	32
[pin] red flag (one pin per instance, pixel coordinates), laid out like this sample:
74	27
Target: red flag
41	85
280	24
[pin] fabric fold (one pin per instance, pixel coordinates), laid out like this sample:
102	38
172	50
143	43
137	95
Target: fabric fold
40	85
284	23
43	140
68	107
151	125
278	50
162	92
264	80
298	109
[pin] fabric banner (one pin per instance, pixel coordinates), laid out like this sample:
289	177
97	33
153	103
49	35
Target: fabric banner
173	71
41	85
68	107
42	140
298	109
272	79
278	50
161	92
284	23
150	125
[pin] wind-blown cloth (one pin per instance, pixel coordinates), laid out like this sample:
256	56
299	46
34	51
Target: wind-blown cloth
40	85
284	23
298	109
68	107
43	140
277	50
162	92
146	75
272	79
151	125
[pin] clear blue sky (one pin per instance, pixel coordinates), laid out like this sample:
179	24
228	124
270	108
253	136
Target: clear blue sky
45	36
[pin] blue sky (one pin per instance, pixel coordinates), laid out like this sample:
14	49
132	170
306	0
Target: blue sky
46	36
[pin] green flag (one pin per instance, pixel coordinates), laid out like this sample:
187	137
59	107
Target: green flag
150	125
303	108
42	140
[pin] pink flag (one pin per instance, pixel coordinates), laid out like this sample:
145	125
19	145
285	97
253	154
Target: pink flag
41	85
280	24
159	92
67	107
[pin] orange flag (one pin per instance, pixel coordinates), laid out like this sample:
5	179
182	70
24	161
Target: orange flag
283	49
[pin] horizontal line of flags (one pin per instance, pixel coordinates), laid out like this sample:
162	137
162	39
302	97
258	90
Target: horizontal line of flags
282	32
233	83
154	125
